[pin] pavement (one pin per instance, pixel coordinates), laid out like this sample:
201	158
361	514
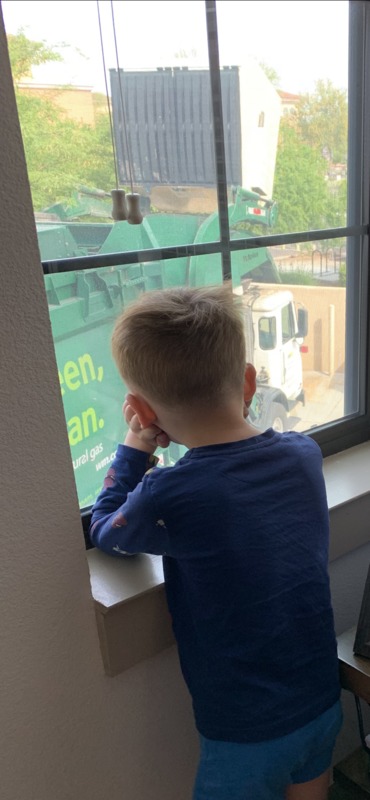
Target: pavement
324	401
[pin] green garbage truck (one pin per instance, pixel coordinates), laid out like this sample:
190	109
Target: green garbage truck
84	304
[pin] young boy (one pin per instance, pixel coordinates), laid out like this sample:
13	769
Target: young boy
242	523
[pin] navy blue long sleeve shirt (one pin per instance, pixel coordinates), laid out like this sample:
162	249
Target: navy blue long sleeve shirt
243	529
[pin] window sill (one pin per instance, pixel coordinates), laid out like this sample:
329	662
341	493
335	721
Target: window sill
347	478
131	611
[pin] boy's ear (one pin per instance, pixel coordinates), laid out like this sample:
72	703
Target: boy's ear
144	411
249	383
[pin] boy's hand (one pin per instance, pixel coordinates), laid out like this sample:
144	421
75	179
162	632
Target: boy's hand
145	439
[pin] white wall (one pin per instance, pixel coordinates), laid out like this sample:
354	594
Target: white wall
259	144
67	731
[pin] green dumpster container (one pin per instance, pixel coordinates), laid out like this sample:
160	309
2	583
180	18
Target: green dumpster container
83	306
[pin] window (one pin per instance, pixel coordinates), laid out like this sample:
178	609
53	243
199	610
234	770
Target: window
267	333
289	328
275	200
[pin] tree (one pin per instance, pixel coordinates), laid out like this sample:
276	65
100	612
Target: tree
25	53
322	121
299	187
336	204
60	153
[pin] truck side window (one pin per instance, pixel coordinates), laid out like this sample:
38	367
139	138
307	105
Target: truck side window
267	333
287	323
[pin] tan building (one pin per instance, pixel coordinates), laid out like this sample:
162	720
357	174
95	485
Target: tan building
76	101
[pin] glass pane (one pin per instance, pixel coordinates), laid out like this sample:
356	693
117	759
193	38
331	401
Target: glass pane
296	336
161	115
285	108
83	306
267	333
288	326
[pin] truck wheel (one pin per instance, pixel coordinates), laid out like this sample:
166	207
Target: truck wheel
279	419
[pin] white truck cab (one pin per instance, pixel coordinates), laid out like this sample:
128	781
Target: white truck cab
274	334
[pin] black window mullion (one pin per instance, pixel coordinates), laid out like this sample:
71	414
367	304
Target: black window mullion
219	139
76	263
357	310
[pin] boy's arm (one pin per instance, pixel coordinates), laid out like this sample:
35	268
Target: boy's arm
124	517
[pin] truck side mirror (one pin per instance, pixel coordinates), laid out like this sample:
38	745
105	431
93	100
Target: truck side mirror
302	320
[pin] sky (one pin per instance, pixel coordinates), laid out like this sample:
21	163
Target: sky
302	40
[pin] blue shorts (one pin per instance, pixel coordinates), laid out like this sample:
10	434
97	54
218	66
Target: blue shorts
263	770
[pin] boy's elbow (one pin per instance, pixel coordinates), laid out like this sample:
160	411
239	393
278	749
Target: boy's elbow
96	533
100	534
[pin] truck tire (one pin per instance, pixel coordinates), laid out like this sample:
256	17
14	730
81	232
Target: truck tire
279	419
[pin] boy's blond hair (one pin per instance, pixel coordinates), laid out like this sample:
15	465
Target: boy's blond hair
182	346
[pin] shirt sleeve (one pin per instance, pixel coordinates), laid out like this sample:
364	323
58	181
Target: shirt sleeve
125	519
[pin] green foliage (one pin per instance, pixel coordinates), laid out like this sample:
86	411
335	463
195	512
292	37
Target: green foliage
62	153
306	196
323	121
299	188
297	278
25	53
336	204
99	162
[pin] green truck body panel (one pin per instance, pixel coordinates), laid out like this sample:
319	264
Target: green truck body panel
83	306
